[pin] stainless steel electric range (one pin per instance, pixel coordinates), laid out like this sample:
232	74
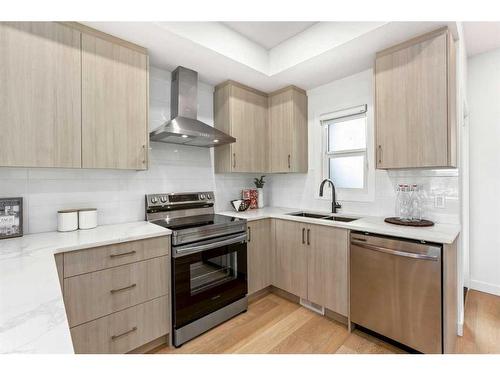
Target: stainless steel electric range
209	261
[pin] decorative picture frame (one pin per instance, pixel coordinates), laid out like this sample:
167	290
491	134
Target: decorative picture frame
11	217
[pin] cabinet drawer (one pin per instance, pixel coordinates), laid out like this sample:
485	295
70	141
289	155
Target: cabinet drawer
96	294
99	258
125	330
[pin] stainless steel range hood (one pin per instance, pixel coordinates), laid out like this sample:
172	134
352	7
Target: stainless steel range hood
184	128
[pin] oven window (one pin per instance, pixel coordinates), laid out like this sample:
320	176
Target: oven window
212	271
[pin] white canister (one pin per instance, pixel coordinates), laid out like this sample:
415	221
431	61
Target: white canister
87	218
67	220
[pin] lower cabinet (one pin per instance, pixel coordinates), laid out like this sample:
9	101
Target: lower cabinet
117	296
327	268
259	255
311	262
92	295
122	331
291	255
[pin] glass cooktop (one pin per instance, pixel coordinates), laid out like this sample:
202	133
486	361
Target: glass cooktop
196	221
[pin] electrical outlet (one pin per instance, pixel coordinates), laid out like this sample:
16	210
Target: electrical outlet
439	201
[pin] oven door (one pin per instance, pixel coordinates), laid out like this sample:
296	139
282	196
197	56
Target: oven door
207	276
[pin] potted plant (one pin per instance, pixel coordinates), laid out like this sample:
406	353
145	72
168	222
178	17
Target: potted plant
259	184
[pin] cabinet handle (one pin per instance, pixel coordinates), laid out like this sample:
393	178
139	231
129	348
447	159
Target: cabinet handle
123	289
288	161
114	337
234	160
308	236
122	254
379	154
145	153
303	235
249	234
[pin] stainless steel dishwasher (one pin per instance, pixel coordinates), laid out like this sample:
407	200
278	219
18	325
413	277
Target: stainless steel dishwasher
396	289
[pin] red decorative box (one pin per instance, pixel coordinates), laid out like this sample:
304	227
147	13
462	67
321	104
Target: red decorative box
250	194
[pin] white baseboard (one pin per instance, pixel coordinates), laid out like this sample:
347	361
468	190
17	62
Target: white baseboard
460	328
485	287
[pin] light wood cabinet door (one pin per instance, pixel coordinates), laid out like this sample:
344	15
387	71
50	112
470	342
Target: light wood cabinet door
299	145
93	295
288	138
327	268
241	112
249	127
280	132
40	92
114	105
414	123
123	331
290	257
103	257
259	251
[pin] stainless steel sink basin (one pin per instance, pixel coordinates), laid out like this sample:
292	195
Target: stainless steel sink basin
308	214
340	218
323	216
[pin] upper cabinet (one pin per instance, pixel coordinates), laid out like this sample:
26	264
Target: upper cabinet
71	97
288	130
270	129
415	103
241	112
40	92
114	105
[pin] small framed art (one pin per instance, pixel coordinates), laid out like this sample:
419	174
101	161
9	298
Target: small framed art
11	217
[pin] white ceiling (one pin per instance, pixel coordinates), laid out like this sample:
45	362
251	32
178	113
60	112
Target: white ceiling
322	53
481	37
268	34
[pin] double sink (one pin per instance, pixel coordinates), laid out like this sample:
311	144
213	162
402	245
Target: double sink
323	216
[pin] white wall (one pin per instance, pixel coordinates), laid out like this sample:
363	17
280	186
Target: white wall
483	91
301	190
118	195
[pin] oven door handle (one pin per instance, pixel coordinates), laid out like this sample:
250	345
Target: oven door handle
216	242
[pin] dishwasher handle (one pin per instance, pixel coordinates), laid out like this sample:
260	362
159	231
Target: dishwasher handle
406	254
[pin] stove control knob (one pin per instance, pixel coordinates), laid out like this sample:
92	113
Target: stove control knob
154	200
202	196
209	196
163	199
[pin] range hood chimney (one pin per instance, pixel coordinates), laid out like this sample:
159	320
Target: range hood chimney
183	127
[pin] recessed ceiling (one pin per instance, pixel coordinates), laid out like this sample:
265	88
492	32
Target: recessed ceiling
481	37
322	53
268	34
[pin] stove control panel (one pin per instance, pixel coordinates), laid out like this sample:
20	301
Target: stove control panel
172	199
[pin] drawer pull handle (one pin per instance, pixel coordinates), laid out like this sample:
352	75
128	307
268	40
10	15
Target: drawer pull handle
122	254
114	337
123	289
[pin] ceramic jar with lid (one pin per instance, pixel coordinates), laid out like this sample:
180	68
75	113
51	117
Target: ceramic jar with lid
67	220
87	218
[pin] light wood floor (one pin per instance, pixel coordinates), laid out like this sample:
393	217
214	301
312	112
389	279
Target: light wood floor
481	324
275	325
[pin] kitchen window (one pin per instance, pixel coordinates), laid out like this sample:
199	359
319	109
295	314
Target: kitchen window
345	148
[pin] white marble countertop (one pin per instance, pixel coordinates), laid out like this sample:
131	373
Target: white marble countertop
32	314
440	233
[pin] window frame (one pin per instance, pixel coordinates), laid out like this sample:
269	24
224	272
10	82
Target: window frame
328	155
